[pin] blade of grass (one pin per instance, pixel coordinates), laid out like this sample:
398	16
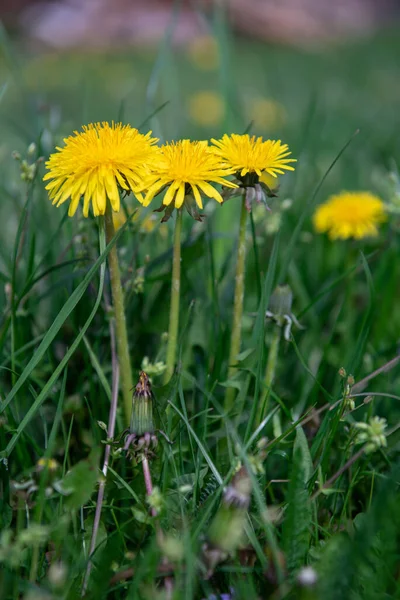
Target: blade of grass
48	386
60	320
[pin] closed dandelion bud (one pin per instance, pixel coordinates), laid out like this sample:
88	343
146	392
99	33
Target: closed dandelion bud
281	301
142	407
226	530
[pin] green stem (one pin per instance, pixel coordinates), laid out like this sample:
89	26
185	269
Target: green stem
175	296
236	334
120	323
269	374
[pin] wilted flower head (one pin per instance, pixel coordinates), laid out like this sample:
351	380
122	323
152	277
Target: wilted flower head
372	434
141	438
142	407
97	163
280	310
251	158
186	170
350	215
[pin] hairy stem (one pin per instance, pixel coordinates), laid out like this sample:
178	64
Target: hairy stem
110	434
147	481
175	297
236	334
120	323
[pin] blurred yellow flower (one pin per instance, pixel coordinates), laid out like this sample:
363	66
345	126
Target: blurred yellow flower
266	113
251	155
206	108
204	53
50	463
186	167
350	215
96	163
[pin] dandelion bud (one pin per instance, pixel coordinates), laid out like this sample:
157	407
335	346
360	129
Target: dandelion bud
281	300
142	407
342	372
226	531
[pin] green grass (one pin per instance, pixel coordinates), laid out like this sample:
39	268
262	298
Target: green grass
314	501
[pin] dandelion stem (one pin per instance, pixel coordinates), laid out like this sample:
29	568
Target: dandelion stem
269	374
236	335
147	481
110	434
175	296
120	323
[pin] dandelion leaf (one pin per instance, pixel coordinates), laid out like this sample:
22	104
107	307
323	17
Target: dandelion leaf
296	527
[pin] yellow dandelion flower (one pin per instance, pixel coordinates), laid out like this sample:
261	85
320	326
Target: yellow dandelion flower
206	108
269	180
96	163
350	215
186	168
203	52
251	155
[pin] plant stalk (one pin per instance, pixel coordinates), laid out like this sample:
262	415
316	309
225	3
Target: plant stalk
120	322
236	334
147	481
269	374
110	434
175	297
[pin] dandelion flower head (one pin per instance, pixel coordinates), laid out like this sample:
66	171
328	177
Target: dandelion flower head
183	167
96	163
253	155
350	215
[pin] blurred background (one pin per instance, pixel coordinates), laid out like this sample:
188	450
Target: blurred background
218	65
